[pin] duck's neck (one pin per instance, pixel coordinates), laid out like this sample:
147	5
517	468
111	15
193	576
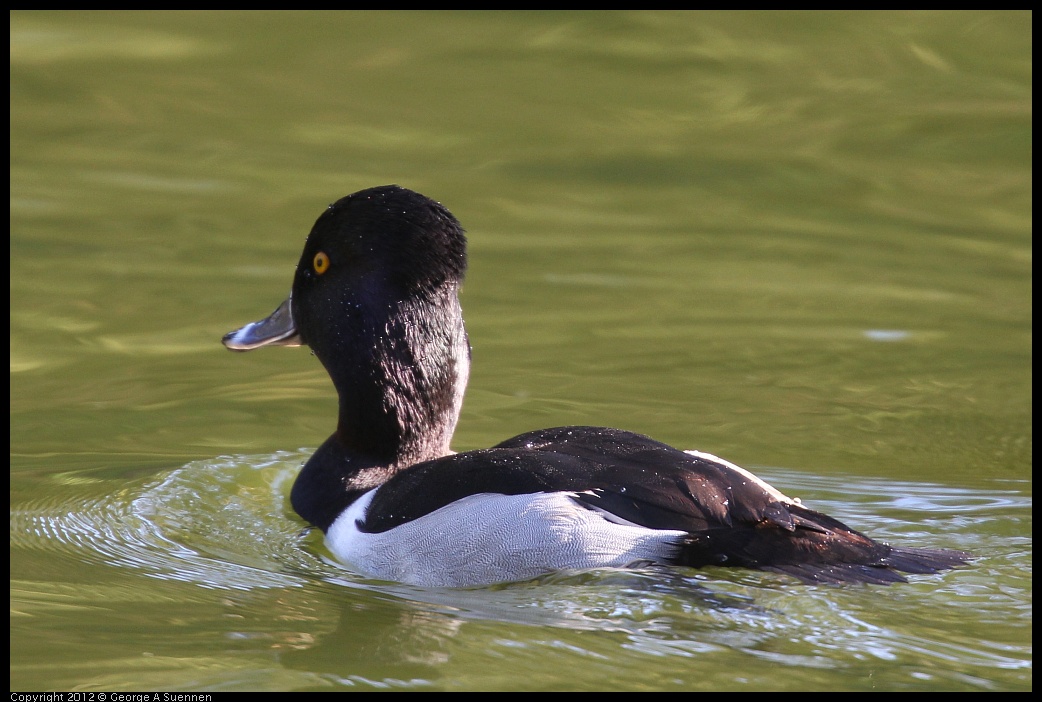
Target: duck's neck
399	404
401	385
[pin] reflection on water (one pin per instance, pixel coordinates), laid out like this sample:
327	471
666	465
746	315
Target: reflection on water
223	524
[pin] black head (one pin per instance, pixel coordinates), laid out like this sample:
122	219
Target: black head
379	246
376	297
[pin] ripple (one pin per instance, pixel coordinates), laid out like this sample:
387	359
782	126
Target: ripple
225	524
218	524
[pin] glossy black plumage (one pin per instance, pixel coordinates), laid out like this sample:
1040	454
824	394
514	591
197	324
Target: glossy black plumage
375	296
730	521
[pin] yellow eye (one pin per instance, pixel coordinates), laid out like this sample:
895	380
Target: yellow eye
320	262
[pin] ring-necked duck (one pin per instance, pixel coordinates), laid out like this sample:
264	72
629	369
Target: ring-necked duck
375	296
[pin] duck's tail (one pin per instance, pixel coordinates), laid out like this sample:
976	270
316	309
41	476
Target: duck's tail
883	571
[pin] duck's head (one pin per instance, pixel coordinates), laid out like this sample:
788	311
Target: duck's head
375	296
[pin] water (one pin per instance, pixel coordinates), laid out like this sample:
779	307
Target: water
798	241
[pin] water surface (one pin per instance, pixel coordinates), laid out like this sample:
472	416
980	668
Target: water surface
798	241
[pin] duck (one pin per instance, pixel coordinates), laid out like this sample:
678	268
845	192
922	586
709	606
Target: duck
375	296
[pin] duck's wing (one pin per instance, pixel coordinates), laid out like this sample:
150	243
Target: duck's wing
628	477
732	517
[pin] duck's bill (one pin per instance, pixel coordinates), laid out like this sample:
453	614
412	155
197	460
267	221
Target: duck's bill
277	329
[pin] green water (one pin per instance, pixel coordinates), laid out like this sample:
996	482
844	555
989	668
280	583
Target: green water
798	241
